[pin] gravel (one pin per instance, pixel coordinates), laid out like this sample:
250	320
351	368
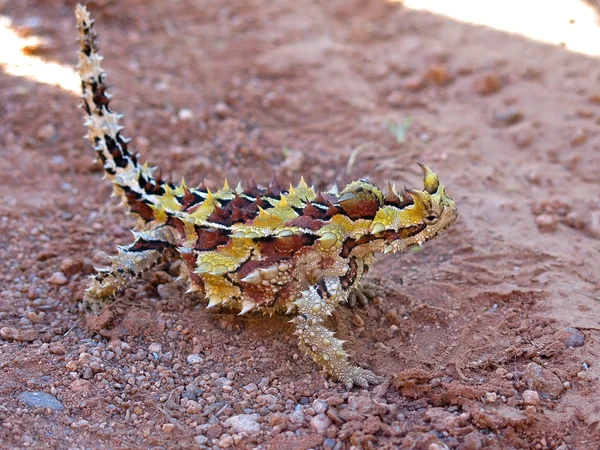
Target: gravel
157	369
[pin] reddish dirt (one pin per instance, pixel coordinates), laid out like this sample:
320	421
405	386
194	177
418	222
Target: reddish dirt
472	332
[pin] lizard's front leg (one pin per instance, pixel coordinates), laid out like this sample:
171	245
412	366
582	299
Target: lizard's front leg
360	292
314	306
132	260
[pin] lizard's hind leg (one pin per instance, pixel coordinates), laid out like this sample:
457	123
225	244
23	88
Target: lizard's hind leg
133	260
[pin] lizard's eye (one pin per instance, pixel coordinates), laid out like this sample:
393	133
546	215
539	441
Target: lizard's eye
431	219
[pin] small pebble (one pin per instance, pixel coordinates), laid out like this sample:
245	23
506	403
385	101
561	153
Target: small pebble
9	333
534	177
56	349
12	334
491	397
58	279
222	110
194	358
414	83
594	99
226	441
276	419
40	400
580	137
320	423
594	226
244	423
46	132
320	406
531	397
185	114
438	74
501	372
36	317
155	347
546	223
571	337
167	291
523	138
80	385
329	443
70	266
80	424
358	321
201	440
542	380
214	430
573	220
168	427
487	84
507	118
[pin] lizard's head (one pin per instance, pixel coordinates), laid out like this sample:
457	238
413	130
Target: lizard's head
405	219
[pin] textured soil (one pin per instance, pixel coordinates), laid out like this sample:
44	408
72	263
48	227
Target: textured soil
489	337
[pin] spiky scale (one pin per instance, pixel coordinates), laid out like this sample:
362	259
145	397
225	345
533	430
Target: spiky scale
247	305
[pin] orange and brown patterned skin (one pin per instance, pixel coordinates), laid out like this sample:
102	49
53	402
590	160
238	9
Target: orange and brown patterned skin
291	251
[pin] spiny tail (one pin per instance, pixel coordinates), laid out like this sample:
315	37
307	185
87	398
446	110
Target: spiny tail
133	182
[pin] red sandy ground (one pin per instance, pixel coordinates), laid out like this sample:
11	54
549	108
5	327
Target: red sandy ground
466	326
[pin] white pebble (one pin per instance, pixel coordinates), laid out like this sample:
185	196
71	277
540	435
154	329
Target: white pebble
531	397
194	358
244	423
185	114
491	397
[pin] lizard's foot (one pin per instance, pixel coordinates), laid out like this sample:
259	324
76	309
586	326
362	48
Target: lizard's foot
357	376
91	306
362	294
101	293
102	288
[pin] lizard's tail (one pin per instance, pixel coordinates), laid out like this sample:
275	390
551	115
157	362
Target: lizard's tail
132	181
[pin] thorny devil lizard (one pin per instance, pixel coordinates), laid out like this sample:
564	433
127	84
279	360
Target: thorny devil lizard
294	251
